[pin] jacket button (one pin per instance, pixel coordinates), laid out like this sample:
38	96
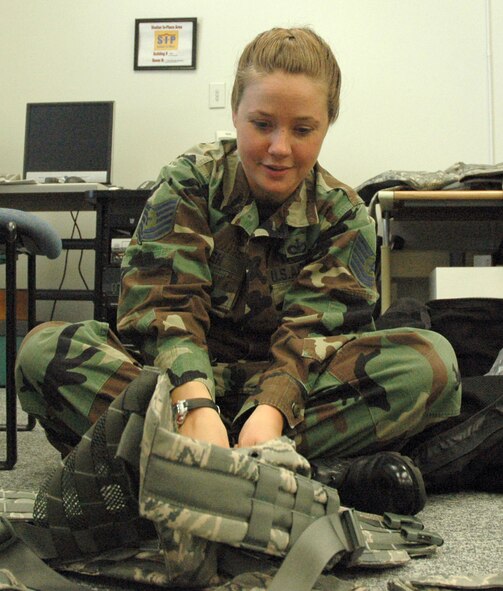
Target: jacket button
296	410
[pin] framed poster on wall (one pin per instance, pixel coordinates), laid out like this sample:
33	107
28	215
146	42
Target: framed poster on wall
165	44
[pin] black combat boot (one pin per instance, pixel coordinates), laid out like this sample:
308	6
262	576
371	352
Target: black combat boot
379	483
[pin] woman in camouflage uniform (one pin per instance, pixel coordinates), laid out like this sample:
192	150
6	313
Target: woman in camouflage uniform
250	281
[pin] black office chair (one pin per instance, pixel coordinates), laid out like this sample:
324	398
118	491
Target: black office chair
20	232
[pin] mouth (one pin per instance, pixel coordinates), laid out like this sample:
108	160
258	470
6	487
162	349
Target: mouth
276	167
275	170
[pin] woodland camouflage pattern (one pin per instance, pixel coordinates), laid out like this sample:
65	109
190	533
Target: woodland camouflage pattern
257	289
288	294
279	312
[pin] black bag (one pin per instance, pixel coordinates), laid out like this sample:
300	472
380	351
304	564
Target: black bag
474	327
465	452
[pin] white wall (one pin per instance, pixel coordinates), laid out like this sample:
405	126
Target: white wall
416	87
496	62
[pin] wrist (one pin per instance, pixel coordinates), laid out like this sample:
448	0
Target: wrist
190	390
182	408
272	415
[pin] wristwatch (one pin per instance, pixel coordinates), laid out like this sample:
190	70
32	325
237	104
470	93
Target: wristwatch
183	407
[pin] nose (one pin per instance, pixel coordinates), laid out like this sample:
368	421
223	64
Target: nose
280	143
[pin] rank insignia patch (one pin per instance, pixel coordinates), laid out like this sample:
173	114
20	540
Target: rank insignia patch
157	220
362	261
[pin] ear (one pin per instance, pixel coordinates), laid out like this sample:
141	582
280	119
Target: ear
234	117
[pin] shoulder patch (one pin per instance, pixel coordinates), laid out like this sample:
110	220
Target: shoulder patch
157	220
362	261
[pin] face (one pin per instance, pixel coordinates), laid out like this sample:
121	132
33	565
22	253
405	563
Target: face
280	123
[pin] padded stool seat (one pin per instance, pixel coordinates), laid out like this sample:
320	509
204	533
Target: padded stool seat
20	232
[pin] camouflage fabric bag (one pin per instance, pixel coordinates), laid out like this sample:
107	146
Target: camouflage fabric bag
491	582
273	507
222	517
457	176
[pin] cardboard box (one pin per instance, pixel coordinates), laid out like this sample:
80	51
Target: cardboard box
466	282
21	304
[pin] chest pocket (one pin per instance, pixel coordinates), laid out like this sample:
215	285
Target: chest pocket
281	278
228	273
286	264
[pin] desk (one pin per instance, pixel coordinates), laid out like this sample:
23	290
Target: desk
116	209
47	201
117	214
427	206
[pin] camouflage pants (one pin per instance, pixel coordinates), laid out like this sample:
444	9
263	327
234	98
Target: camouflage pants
375	392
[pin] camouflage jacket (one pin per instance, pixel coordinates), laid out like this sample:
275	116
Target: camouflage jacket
205	279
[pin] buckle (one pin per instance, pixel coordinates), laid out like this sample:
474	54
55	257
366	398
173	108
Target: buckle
422	536
351	524
397	521
7	534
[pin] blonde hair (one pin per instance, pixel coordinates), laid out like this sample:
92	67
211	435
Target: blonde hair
293	51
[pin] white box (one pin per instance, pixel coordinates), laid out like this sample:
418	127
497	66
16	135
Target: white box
466	282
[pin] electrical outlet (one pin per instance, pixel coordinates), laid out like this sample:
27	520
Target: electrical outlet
217	95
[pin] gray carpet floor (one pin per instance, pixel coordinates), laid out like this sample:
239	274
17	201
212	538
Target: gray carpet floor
471	524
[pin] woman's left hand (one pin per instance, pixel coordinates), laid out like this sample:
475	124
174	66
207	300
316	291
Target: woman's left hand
265	423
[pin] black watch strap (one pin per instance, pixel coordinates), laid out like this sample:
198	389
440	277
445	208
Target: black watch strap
182	407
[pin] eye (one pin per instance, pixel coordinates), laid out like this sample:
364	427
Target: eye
261	124
303	130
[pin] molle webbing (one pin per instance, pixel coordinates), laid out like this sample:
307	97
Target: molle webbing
259	507
261	499
231	496
17	505
88	505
